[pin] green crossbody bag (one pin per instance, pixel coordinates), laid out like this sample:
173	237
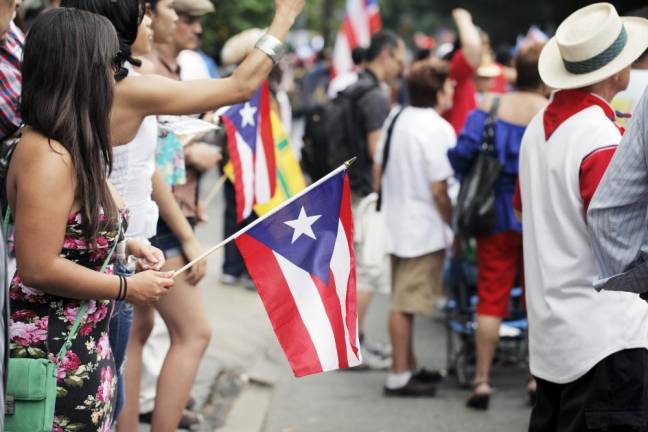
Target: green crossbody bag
31	384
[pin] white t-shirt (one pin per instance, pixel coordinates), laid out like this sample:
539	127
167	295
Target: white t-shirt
192	66
572	327
417	158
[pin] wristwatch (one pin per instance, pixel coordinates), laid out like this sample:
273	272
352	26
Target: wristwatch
271	46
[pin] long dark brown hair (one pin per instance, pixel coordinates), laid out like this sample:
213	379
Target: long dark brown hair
67	95
125	15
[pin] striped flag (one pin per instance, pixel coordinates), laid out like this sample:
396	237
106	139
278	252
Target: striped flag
290	180
251	149
302	262
361	20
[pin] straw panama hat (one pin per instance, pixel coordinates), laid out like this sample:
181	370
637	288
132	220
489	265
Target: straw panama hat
590	45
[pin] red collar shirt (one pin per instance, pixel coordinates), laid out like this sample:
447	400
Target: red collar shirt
564	153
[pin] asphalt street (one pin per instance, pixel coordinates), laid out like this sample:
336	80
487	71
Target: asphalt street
353	401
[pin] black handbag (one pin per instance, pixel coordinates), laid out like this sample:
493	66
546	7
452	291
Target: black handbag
474	214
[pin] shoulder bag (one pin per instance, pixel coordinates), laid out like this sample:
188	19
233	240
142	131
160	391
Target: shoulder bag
474	214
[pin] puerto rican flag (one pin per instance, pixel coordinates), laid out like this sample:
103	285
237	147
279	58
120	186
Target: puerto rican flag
302	262
251	148
361	20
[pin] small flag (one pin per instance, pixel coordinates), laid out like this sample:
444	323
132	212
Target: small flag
251	149
302	262
361	20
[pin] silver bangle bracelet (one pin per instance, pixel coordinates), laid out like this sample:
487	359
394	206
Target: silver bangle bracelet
271	46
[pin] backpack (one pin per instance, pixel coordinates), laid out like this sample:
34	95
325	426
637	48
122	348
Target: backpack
333	132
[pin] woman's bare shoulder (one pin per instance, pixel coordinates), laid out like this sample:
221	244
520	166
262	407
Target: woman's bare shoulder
40	148
42	162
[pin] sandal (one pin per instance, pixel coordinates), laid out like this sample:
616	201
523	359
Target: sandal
479	401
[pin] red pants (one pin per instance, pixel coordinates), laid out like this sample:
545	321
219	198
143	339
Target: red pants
499	261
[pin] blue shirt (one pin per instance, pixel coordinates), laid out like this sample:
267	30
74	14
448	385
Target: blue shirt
508	137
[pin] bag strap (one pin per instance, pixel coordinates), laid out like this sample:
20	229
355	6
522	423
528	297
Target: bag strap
488	138
385	154
84	306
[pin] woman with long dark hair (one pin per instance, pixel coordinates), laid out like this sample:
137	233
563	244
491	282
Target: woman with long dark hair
67	217
137	97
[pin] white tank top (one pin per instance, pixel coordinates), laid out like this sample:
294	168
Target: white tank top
133	167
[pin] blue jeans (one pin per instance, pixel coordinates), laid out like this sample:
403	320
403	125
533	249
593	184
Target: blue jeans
120	326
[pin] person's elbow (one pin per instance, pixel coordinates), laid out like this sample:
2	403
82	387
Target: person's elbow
33	275
242	89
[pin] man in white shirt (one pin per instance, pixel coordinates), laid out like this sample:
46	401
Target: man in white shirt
587	348
413	157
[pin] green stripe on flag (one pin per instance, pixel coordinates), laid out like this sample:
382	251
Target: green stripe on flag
282	144
284	185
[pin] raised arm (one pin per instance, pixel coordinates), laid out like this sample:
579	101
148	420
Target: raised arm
471	43
157	95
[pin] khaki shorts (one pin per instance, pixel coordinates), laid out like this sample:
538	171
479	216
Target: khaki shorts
417	282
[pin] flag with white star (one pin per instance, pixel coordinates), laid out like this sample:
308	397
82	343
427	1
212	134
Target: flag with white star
302	262
251	148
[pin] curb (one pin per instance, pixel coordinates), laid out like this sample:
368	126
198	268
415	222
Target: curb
249	412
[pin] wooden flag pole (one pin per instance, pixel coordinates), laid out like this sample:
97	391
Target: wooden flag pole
242	231
214	190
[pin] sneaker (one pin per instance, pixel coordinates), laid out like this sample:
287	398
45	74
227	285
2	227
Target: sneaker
228	279
380	349
373	361
246	282
413	388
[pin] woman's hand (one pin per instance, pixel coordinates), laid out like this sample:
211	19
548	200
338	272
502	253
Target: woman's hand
288	8
192	249
148	286
148	257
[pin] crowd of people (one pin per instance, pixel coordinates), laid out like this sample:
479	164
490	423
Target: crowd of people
101	199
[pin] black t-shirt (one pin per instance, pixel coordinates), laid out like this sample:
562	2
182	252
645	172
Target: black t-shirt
373	109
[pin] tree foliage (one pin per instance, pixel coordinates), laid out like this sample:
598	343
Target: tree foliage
502	19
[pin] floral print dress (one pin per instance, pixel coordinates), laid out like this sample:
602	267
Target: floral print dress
39	325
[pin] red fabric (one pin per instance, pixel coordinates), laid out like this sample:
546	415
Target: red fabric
346	217
239	194
278	301
567	103
331	303
500	85
267	138
463	102
499	257
591	172
517	197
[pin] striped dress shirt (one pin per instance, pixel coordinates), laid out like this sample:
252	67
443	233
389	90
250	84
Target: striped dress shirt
617	213
11	50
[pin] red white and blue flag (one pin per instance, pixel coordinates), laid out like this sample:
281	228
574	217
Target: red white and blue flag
251	148
361	20
302	262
